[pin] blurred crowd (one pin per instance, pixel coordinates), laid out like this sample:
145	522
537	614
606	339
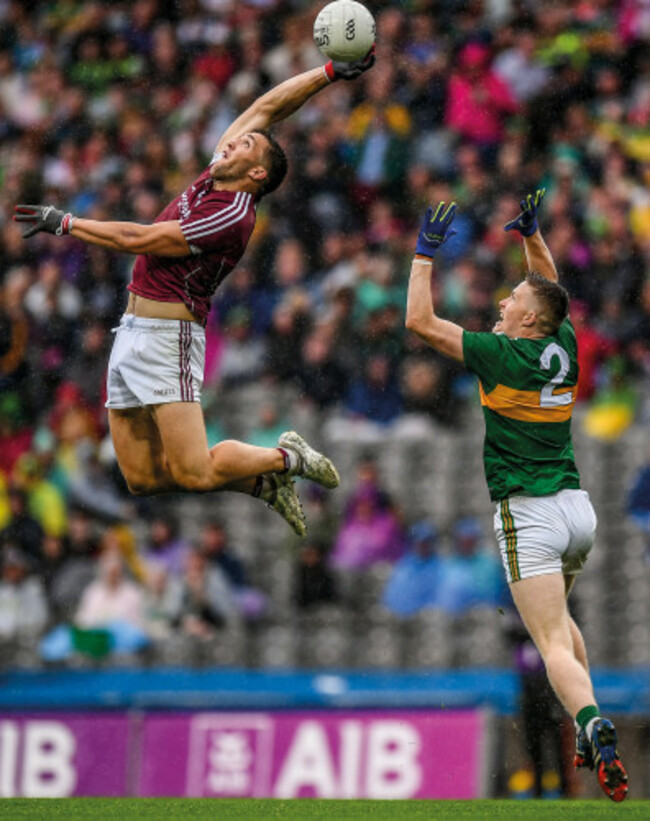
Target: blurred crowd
99	589
110	110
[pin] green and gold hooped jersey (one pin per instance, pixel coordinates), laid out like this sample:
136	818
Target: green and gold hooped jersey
528	391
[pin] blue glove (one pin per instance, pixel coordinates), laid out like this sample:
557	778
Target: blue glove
526	222
435	229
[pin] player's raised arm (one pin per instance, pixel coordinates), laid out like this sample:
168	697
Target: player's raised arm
444	336
538	257
164	239
283	100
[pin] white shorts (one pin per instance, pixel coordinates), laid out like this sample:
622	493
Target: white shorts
154	362
545	534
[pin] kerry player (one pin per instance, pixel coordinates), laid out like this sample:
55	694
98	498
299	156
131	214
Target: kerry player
155	373
544	523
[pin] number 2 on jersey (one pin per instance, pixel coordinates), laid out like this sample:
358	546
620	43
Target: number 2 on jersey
548	399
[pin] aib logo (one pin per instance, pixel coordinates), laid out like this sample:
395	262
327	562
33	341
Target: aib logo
349	29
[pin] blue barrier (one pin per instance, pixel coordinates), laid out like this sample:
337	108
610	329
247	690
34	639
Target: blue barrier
618	691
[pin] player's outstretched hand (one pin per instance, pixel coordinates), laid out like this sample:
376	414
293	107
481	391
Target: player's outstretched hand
43	218
526	222
338	70
435	229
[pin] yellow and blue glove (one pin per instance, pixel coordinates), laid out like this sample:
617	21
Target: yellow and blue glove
435	229
526	222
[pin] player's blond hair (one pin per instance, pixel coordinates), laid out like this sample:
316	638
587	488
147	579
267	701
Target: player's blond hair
553	300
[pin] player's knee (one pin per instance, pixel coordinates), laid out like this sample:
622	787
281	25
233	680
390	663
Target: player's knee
192	481
143	486
555	652
220	451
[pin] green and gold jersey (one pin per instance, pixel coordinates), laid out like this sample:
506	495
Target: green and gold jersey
528	390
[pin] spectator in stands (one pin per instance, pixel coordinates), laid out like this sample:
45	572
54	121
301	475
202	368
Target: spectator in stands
14	330
243	353
162	604
637	503
270	425
290	268
166	63
478	100
323	203
427	387
381	331
614	405
22	530
285	338
593	350
15	433
70	564
241	290
24	609
213	545
207	601
295	51
121	539
374	396
86	368
519	67
73	433
322	518
165	547
321	379
344	330
427	67
114	604
53	306
217	64
111	596
371	530
378	130
471	575
92	487
45	501
313	581
52	559
415	579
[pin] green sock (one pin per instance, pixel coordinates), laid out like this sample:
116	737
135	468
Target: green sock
586	714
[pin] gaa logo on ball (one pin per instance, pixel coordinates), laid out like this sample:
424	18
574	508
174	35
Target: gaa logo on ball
344	31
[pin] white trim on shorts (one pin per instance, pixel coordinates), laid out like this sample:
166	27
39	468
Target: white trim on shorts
544	534
155	362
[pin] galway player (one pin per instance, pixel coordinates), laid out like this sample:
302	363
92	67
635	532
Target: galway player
155	372
544	522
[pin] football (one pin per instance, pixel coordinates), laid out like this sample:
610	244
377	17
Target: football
344	30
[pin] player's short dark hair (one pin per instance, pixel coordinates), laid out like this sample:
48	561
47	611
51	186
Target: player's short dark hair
554	301
276	163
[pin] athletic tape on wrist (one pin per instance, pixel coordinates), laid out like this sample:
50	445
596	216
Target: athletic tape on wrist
328	68
66	223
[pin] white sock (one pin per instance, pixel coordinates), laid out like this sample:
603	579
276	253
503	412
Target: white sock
590	727
294	460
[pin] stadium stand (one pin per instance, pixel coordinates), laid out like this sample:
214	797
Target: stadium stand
109	110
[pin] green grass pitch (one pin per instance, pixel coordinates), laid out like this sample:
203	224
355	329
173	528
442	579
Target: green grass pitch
168	809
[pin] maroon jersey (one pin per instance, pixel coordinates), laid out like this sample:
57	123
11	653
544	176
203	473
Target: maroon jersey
217	226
